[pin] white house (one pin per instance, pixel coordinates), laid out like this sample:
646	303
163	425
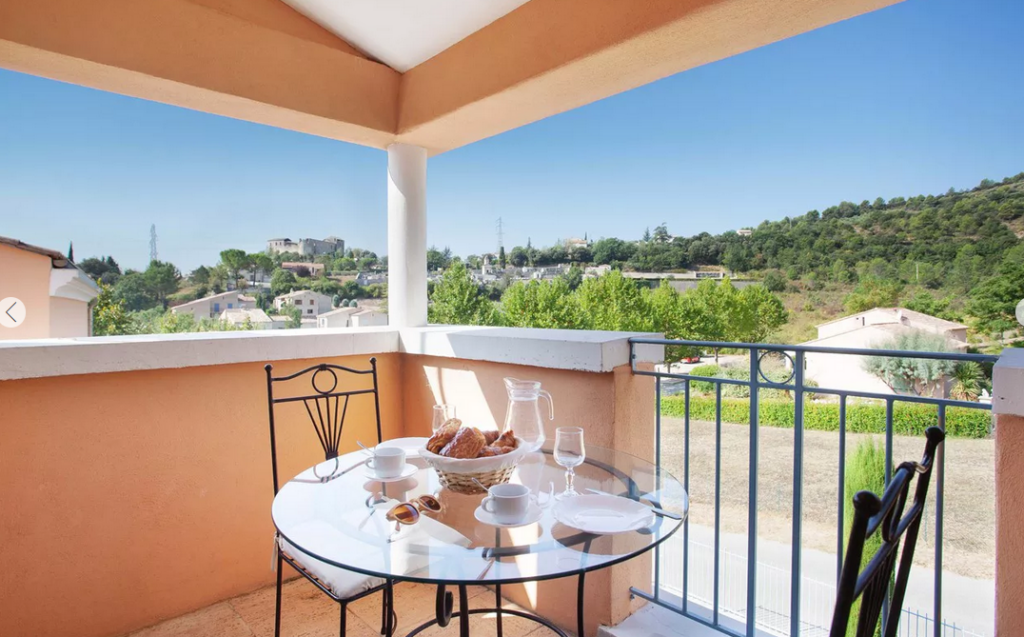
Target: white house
254	318
311	303
868	330
213	306
369	318
341	317
352	317
48	296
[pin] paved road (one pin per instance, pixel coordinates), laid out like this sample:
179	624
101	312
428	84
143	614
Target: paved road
970	603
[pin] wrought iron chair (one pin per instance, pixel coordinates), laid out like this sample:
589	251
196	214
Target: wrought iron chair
886	516
327	408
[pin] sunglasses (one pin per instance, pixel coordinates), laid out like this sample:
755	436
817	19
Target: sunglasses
408	513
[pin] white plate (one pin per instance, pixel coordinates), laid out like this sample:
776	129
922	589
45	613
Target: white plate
410	470
411	446
603	514
533	514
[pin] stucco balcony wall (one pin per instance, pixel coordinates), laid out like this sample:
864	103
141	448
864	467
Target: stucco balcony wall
136	482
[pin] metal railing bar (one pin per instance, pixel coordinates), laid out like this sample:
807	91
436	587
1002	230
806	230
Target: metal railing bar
657	463
888	478
710	379
686	488
940	486
718	499
812	349
840	526
925	400
752	501
798	478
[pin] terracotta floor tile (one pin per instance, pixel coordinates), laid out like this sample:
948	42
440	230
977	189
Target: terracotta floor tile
305	612
219	620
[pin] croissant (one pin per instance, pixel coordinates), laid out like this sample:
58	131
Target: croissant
491	435
443	436
467	443
491	450
508	440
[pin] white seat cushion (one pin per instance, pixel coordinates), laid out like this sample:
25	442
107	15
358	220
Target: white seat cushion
341	582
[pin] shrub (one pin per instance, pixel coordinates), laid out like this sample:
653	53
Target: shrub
708	371
865	471
908	419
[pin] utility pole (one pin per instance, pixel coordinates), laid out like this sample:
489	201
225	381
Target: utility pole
501	236
152	244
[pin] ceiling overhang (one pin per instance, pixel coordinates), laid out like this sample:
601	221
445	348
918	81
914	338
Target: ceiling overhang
261	61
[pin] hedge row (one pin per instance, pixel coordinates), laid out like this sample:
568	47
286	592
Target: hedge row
909	419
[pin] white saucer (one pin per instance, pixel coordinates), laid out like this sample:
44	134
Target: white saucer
603	514
410	470
533	514
411	446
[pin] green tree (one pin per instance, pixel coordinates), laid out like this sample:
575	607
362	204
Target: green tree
501	258
573	277
200	276
613	302
162	280
918	376
609	251
518	257
294	315
545	304
767	312
994	301
260	262
282	282
457	300
109	316
872	293
133	292
661	234
968	381
774	282
436	259
97	267
235	261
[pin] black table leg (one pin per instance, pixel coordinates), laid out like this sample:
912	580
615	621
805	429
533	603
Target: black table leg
443	606
463	612
579	607
497	587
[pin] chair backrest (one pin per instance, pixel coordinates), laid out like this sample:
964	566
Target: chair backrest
326	407
886	516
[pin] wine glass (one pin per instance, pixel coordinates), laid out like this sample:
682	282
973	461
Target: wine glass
442	414
569	453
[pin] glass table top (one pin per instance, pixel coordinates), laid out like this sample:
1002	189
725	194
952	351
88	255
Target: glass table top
343	521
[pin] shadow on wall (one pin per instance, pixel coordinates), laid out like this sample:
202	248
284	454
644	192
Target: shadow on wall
477	390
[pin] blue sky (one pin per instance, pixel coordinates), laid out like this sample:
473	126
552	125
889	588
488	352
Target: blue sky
911	99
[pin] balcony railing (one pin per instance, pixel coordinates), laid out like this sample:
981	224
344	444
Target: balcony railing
734	616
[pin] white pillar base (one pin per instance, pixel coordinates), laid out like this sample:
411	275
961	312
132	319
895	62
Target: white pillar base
407	235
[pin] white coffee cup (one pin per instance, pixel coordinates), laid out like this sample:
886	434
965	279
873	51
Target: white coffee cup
387	462
508	503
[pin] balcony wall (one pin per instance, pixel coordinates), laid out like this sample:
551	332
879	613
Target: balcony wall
1008	406
136	480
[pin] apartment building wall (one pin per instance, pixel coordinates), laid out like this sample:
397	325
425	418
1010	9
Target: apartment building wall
26	276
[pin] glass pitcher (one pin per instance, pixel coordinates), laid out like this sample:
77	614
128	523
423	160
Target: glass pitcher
524	416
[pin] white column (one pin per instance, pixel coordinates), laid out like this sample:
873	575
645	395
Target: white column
407	235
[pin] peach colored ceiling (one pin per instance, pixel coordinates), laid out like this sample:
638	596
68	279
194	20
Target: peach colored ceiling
403	33
487	71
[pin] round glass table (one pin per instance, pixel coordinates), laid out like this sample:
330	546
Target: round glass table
336	512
